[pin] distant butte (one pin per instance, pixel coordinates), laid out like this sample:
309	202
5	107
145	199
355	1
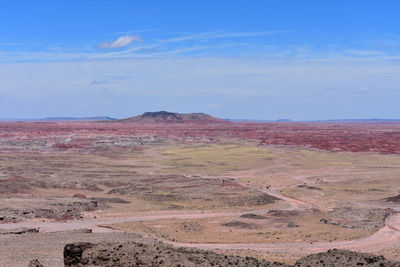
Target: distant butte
172	117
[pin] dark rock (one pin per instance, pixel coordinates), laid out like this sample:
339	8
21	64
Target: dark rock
79	195
344	258
19	231
395	199
156	253
35	263
73	253
83	231
242	225
253	216
151	254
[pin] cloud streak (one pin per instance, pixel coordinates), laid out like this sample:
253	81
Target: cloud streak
99	82
257	44
186	38
122	41
362	90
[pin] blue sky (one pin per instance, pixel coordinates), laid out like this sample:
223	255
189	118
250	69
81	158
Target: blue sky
304	60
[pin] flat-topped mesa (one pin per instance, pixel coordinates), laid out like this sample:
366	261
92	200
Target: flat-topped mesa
172	117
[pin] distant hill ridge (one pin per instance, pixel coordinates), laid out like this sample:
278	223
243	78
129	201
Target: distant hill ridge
104	118
172	117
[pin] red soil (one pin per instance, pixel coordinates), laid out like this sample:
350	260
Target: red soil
354	137
17	179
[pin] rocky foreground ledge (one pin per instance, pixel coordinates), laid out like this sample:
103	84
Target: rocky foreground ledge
160	254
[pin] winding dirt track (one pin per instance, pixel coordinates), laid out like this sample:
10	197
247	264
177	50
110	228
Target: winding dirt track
293	204
388	236
93	223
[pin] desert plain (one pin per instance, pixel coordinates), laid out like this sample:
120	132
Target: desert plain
276	191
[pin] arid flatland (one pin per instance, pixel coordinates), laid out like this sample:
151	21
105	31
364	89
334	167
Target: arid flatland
278	191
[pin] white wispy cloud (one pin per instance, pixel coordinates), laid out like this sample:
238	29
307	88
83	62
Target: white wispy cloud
99	82
183	38
361	90
208	44
360	52
133	31
122	41
242	34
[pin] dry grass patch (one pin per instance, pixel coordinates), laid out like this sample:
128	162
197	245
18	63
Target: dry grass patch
216	158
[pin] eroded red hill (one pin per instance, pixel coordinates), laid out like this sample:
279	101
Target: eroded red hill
97	136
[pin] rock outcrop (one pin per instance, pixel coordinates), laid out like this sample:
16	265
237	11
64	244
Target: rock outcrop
154	253
151	254
344	258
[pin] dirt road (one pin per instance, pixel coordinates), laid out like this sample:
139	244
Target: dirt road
93	223
388	236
